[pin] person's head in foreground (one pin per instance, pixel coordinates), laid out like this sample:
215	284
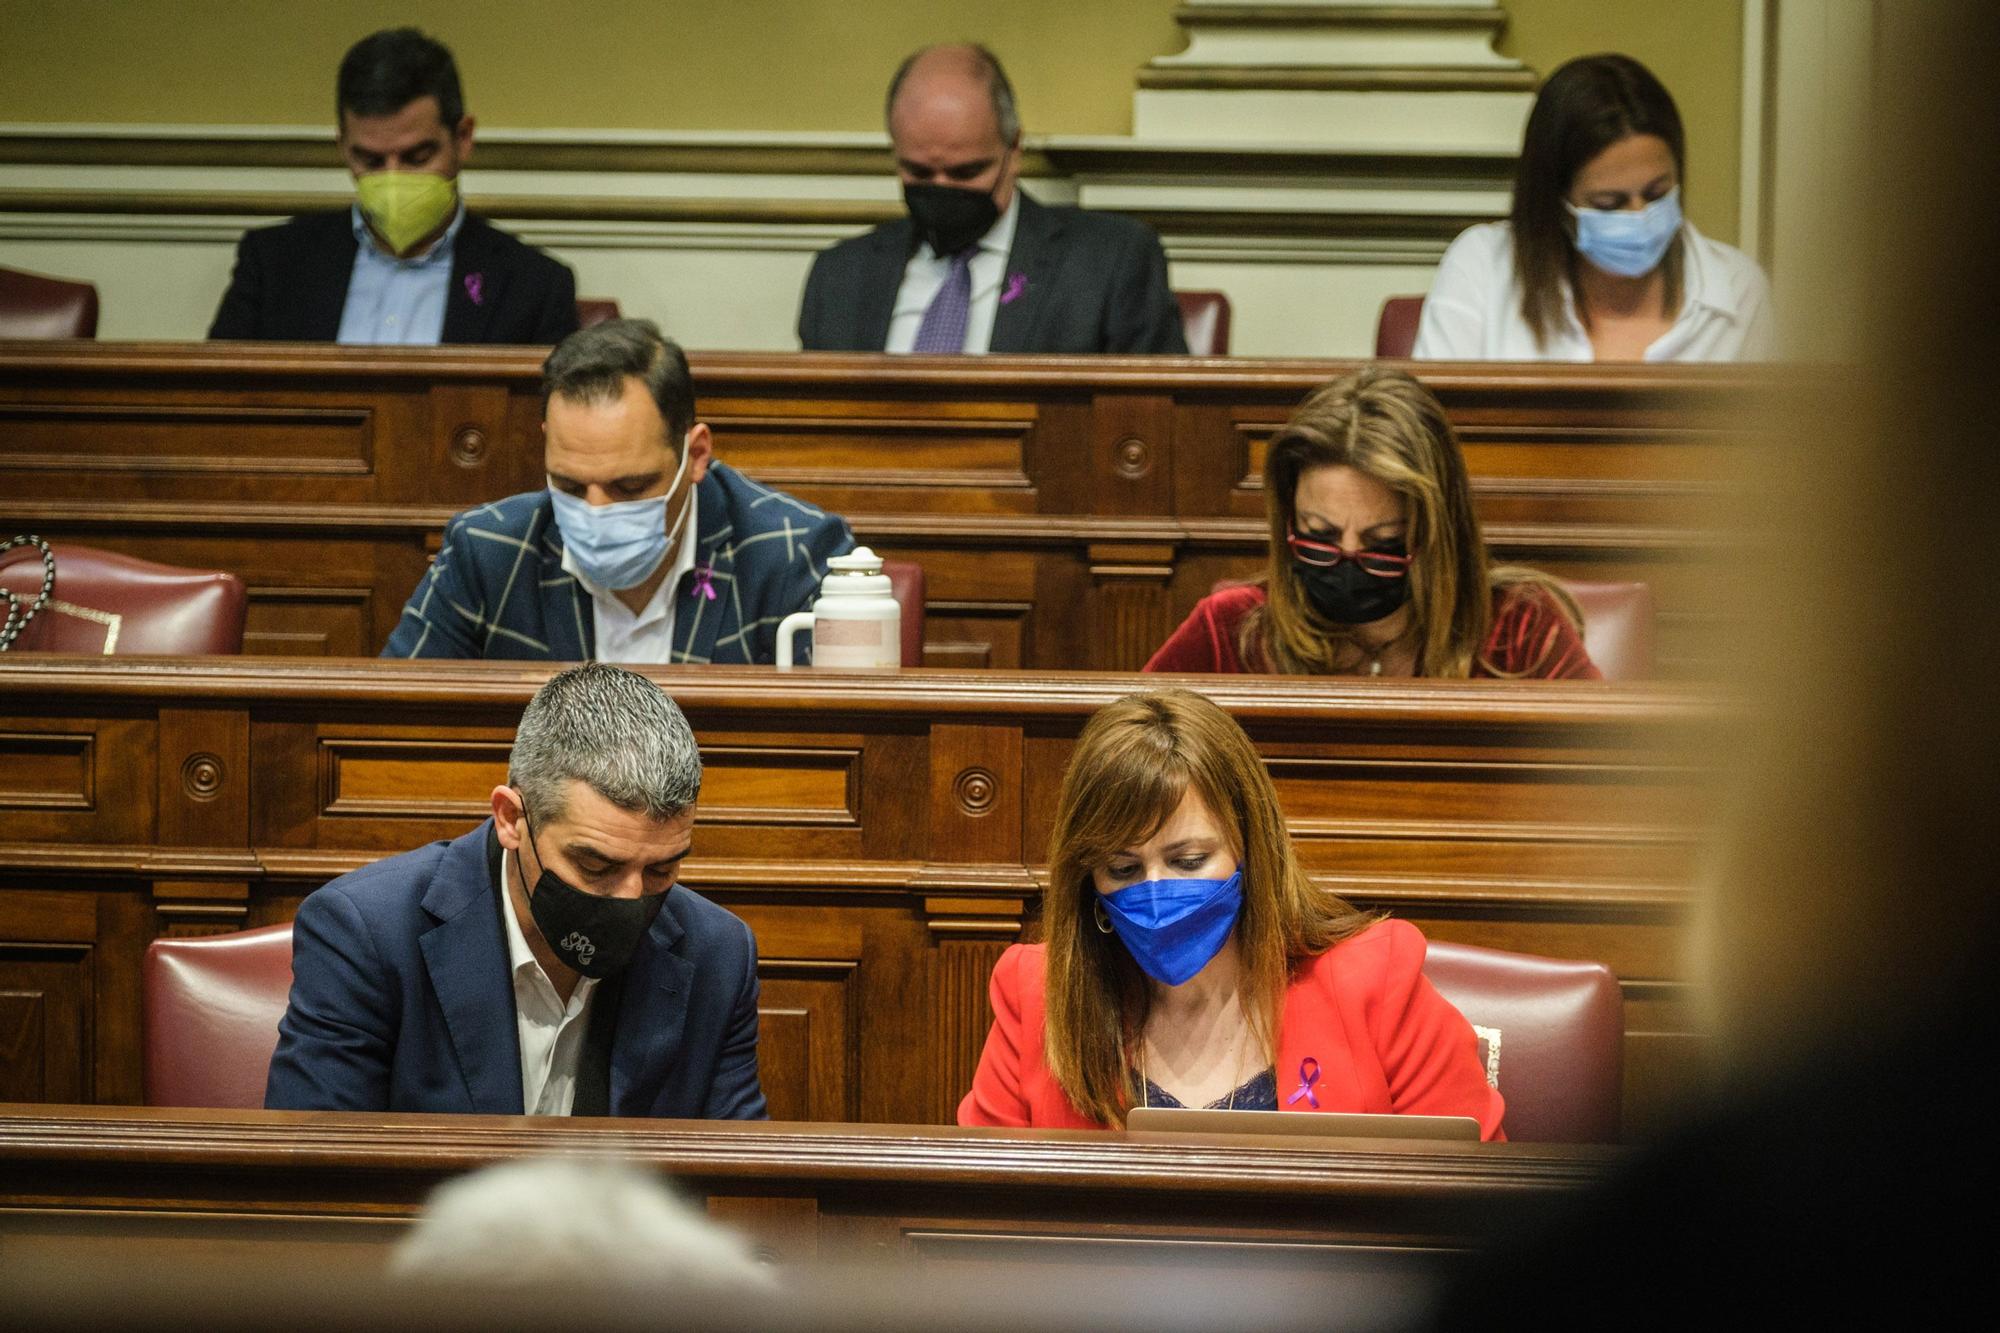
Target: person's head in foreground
597	814
404	134
547	1223
1171	878
1597	191
1377	564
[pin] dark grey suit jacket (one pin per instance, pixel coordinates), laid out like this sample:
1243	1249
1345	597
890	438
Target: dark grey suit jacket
1086	282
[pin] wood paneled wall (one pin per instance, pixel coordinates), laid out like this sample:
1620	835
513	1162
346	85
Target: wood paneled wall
131	1189
1068	512
881	832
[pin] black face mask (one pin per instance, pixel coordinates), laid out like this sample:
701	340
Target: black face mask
593	935
1347	594
948	217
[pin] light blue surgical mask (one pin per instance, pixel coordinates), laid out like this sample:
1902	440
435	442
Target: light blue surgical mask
619	545
1173	927
1628	243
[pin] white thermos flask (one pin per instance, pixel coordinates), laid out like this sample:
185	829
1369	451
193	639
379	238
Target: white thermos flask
856	621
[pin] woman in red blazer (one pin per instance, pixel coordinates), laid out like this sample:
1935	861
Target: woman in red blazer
1190	961
1377	566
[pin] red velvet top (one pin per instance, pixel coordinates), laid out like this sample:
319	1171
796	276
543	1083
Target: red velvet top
1384	1041
1528	627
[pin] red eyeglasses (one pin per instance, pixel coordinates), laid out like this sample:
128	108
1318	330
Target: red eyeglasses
1325	555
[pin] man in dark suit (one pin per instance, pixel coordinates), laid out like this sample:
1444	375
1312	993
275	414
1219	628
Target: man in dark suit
406	264
545	963
977	266
643	548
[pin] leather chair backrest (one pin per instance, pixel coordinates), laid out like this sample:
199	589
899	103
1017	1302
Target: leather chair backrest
107	603
906	585
1551	1033
1205	319
1617	627
212	1007
33	306
1396	330
594	310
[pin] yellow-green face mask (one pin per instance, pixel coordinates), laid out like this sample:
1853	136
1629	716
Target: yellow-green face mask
406	206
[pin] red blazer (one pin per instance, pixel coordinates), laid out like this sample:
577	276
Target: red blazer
1385	1040
1529	631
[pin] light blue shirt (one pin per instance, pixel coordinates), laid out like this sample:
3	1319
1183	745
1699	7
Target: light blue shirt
391	300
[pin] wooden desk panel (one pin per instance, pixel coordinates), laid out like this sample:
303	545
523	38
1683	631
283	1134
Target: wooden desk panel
965	1200
882	832
1068	511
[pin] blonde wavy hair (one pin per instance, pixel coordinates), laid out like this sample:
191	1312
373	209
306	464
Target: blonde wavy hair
1386	425
1135	761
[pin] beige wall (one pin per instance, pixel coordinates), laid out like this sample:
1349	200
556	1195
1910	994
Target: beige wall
744	64
650	64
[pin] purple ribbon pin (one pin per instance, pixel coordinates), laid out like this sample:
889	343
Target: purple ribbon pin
1308	1075
704	582
475	287
1016	284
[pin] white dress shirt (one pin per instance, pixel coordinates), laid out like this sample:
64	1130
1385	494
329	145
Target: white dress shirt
1473	312
551	1032
925	273
647	637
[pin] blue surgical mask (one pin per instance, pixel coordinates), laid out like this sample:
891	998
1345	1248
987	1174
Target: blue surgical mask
619	545
1173	927
1625	242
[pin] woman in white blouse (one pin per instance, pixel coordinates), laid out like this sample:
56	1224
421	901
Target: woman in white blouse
1596	262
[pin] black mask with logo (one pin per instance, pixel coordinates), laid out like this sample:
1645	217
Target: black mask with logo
593	935
949	217
1347	594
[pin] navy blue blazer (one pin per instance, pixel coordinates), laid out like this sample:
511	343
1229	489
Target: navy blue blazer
1081	282
498	587
402	1000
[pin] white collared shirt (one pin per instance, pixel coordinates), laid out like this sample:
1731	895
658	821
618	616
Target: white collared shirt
550	1032
926	272
647	637
1473	312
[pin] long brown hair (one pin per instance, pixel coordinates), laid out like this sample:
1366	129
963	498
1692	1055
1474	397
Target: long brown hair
1132	765
1386	425
1586	106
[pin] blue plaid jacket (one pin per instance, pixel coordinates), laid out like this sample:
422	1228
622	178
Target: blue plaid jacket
498	587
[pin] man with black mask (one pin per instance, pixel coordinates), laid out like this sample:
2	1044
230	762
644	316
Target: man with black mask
545	963
978	266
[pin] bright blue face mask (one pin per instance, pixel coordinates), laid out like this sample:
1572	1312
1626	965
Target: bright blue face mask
619	545
1173	927
1628	243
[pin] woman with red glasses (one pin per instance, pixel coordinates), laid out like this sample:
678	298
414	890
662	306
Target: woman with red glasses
1377	564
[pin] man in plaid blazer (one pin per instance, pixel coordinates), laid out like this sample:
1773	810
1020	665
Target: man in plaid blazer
636	551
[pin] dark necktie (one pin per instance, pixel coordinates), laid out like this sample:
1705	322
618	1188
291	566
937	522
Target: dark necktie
943	327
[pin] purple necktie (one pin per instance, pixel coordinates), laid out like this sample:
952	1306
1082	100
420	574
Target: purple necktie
943	327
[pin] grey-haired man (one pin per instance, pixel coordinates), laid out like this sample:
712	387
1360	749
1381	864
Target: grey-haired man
545	962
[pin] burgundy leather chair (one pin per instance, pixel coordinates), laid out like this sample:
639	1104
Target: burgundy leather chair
108	603
212	1007
1552	1035
1396	330
33	306
1205	318
906	585
594	310
1617	627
